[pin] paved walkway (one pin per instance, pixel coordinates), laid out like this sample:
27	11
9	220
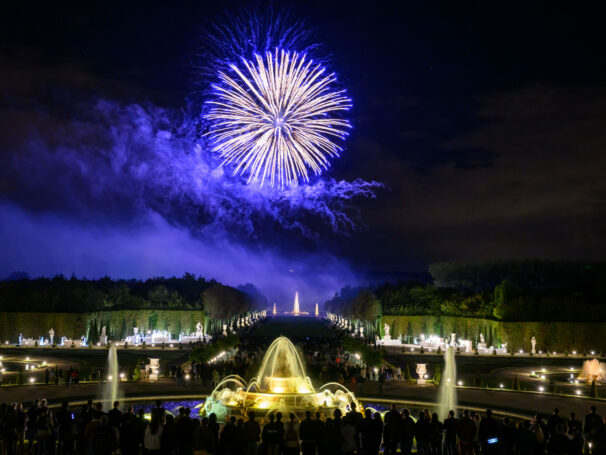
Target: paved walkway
524	403
55	393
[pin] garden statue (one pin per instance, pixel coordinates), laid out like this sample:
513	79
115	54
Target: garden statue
533	344
482	338
51	334
199	332
422	372
103	336
386	329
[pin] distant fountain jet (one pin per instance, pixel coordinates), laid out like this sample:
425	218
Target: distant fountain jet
275	312
295	309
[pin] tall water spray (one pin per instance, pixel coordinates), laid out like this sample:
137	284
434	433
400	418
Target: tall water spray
111	388
295	309
447	396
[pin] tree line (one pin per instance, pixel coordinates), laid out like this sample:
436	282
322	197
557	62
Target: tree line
81	295
504	291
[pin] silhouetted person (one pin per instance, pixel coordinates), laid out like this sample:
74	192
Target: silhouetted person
451	425
307	434
252	431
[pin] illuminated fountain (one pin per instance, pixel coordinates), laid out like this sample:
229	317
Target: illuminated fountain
280	385
111	388
447	395
295	309
593	370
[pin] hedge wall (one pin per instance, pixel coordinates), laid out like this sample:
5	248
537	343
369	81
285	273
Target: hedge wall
118	323
554	336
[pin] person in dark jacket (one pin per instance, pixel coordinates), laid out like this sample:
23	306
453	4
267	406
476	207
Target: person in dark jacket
129	442
228	438
423	433
102	438
437	433
368	435
489	431
203	439
407	432
307	434
65	429
451	425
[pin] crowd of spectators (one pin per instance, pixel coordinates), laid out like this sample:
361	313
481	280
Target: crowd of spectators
90	430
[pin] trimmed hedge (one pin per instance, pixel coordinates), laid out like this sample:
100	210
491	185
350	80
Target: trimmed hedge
118	323
552	336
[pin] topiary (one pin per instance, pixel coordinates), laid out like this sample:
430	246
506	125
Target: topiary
125	346
516	383
73	345
143	345
437	375
180	346
36	343
439	351
407	374
594	390
494	351
422	350
163	345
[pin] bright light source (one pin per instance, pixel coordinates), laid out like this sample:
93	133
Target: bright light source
460	382
27	358
187	376
501	385
554	353
31	379
541	389
110	378
98	344
574	352
171	345
543	370
592	352
122	375
533	373
521	351
3	370
578	392
542	376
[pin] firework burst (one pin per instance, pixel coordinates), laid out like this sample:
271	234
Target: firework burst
278	118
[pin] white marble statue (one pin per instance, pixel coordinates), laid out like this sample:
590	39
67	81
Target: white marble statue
386	330
482	338
533	344
199	332
103	335
421	371
51	334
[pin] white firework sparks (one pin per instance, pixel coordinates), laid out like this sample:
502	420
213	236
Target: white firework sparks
279	119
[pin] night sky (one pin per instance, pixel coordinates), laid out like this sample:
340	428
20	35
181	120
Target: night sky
486	126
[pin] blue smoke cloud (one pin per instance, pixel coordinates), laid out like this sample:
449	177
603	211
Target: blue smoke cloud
95	177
